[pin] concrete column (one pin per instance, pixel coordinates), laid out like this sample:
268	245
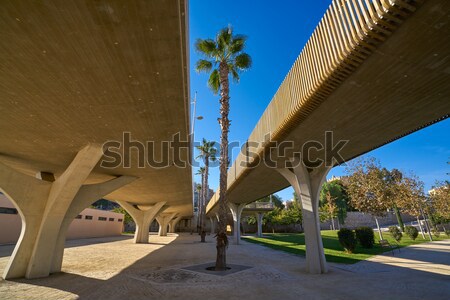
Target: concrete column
213	224
87	195
307	184
163	221
143	219
42	206
236	211
174	223
259	218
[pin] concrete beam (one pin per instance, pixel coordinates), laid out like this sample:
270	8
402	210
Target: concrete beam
307	185
143	219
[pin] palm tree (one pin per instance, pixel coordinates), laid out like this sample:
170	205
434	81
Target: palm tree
223	55
200	188
207	153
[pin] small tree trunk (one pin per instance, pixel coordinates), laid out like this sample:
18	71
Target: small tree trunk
421	228
332	223
379	230
399	218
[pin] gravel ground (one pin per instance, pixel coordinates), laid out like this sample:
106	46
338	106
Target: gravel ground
115	268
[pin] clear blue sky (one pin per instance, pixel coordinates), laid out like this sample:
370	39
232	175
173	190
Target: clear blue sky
276	36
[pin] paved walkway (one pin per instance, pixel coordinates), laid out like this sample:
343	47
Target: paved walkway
115	268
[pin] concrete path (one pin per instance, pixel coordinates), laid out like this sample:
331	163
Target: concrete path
118	269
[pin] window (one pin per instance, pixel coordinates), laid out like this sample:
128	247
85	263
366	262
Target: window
8	210
88	217
119	220
101	218
111	219
78	217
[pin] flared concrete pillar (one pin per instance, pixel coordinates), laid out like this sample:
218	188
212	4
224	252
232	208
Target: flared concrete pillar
259	218
143	219
87	195
307	184
163	221
174	223
43	206
236	211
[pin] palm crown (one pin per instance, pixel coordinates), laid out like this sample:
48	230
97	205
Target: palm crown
226	50
207	150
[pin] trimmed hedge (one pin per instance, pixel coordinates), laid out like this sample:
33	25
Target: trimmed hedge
347	239
365	236
412	232
395	233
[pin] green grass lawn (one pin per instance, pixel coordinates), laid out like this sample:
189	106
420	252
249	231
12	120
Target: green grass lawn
334	252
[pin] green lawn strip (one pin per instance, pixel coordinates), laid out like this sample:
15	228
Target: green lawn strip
334	252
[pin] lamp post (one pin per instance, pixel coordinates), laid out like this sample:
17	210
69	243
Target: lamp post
194	117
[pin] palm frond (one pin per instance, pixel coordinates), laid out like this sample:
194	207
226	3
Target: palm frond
207	47
214	81
234	73
203	65
237	44
243	61
223	39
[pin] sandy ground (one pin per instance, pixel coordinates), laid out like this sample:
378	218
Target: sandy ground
115	268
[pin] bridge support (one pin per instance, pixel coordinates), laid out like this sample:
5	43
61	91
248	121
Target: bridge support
174	223
163	221
307	184
87	195
236	211
143	219
259	218
44	205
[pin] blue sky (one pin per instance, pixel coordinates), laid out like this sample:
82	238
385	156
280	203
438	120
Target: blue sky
276	36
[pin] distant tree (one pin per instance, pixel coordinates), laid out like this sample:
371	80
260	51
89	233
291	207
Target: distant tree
440	198
207	153
127	219
366	188
392	181
333	202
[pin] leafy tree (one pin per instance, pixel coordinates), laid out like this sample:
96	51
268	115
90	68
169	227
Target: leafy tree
333	202
366	188
127	219
392	180
223	55
207	153
440	199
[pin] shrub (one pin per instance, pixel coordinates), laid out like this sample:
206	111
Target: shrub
395	233
412	232
365	236
347	239
447	232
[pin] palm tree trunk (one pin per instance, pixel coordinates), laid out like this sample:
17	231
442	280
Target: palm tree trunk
205	191
222	239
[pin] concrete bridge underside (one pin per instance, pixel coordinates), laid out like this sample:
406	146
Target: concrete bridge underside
372	72
74	75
